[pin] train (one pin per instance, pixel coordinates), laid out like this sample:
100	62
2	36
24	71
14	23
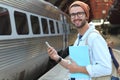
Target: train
25	26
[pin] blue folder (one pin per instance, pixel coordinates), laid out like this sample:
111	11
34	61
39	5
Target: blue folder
79	54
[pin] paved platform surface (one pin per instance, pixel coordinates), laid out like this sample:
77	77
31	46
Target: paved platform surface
116	41
56	73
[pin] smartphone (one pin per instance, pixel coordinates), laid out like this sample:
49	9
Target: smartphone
47	44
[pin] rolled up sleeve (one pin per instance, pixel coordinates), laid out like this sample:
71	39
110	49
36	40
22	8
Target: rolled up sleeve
101	64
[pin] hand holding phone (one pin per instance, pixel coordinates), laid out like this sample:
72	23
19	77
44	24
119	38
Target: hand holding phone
47	44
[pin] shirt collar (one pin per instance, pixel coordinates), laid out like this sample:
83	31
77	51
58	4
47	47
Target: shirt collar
91	28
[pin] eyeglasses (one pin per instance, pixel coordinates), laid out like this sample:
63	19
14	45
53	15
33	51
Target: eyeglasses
79	14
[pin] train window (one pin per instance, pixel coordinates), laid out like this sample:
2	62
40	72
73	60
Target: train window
35	25
57	27
5	26
52	26
64	27
21	23
44	25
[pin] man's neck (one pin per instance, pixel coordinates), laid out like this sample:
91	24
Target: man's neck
82	30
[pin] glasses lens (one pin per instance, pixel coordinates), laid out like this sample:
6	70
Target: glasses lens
79	14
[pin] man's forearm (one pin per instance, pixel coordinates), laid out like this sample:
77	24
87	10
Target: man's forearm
72	67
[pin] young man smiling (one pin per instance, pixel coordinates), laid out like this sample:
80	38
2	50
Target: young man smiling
101	64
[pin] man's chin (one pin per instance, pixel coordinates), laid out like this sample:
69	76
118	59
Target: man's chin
78	27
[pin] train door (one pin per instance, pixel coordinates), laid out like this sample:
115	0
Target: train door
65	31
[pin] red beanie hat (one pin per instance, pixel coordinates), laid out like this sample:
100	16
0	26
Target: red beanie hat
82	5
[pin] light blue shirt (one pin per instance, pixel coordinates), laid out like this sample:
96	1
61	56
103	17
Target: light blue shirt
101	63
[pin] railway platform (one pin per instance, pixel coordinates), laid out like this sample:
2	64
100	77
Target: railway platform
56	73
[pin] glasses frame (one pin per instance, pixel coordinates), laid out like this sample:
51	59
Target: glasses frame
78	14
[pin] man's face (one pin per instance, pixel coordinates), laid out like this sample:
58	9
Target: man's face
78	17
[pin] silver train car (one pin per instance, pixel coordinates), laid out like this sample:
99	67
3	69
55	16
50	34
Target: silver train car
25	25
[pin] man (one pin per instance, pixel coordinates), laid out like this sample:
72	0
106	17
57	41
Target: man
99	53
